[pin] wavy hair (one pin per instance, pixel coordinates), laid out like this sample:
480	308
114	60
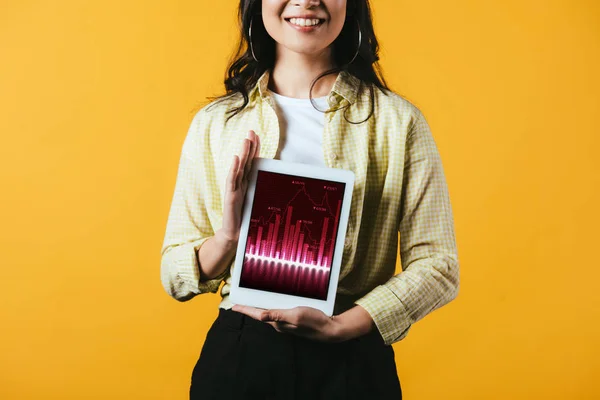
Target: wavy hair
244	71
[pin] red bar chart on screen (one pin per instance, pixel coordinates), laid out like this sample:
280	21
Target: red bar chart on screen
292	234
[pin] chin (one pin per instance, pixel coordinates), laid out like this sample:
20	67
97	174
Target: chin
307	50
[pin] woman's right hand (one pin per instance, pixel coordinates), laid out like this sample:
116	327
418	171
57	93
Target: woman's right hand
235	188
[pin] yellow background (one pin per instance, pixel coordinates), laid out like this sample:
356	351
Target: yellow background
96	98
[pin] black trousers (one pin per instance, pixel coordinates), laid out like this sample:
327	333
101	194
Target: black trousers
243	358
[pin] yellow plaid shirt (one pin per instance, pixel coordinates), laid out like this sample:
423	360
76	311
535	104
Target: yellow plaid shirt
400	188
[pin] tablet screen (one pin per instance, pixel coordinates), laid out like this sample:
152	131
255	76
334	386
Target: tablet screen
292	235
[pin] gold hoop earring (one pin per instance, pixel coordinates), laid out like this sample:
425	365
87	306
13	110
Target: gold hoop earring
250	37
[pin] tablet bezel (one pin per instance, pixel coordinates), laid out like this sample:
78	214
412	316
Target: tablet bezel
266	299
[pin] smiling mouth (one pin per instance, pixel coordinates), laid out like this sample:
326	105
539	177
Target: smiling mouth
305	23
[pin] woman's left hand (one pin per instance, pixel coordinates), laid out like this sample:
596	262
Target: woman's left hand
312	323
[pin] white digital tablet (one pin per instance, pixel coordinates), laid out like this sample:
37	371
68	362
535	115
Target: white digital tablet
292	236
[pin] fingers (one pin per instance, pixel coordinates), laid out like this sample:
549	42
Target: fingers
297	316
231	180
285	327
247	155
271	317
257	147
301	331
253	138
253	312
243	158
284	316
290	321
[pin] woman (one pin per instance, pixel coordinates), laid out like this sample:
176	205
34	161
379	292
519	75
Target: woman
304	87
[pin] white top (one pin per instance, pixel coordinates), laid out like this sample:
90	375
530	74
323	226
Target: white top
301	129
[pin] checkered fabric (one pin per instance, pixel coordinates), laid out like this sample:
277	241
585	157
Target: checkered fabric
400	189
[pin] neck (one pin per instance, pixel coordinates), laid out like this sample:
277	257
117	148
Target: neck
294	72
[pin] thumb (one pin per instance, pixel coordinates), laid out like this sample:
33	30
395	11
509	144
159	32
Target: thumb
273	315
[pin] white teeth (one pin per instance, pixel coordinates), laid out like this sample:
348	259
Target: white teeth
304	21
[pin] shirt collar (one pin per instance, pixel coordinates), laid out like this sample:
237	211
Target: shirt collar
345	86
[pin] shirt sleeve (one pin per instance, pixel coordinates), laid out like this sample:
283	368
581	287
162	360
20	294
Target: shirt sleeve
188	225
430	268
